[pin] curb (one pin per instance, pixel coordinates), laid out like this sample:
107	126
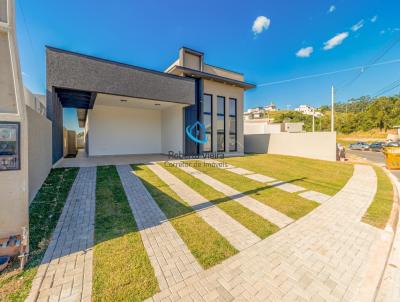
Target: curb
388	288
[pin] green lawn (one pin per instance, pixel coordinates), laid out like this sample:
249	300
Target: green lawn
44	212
254	222
378	213
290	204
206	244
322	176
122	269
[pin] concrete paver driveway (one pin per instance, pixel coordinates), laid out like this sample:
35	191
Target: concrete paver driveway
326	256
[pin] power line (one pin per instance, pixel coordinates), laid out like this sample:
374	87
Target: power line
373	61
328	73
388	88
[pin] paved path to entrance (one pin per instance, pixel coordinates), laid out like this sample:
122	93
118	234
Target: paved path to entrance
66	270
323	256
171	259
239	236
261	209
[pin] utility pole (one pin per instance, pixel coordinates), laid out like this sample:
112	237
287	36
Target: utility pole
313	120
333	110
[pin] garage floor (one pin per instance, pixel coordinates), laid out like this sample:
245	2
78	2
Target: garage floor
82	160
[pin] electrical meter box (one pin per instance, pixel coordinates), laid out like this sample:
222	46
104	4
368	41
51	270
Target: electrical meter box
9	146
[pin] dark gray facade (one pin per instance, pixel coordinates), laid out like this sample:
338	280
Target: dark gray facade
71	71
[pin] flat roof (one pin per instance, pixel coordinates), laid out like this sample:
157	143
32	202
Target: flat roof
68	70
221	79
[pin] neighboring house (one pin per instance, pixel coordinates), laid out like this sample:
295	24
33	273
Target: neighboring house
36	101
308	110
270	107
254	113
127	109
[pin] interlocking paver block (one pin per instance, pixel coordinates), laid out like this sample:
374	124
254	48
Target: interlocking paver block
282	267
65	258
166	250
252	204
239	236
315	196
287	187
260	178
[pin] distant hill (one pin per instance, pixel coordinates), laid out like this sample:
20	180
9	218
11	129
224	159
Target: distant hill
355	115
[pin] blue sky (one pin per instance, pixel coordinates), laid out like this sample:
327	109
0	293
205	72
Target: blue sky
259	38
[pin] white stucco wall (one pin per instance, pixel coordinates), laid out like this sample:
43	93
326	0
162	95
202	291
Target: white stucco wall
13	184
119	130
316	145
39	150
172	129
254	127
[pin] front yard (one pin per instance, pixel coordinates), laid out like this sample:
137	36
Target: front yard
122	270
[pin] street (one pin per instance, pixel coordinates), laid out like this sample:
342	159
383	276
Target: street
376	157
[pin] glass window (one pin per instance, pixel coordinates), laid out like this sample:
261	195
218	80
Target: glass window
207	121
221	105
232	142
207	147
207	100
232	107
232	124
220	142
221	124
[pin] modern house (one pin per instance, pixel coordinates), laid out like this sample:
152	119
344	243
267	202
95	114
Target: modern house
308	110
270	107
127	109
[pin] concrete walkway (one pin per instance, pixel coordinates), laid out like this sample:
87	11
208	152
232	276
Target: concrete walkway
66	270
324	256
261	209
171	259
239	236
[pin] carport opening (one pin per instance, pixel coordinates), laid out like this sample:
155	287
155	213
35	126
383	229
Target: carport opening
75	105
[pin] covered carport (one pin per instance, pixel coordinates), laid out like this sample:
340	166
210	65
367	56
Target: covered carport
75	81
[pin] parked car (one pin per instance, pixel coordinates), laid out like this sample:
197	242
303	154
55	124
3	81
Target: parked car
359	146
393	144
377	146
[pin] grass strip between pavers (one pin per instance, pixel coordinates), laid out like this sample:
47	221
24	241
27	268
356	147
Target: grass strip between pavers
378	213
290	204
122	269
44	212
252	221
207	245
323	176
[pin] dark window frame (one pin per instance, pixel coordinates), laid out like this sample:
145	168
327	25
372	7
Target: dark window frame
234	116
223	132
211	115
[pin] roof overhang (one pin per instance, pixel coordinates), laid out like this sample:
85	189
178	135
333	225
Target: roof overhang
208	76
78	77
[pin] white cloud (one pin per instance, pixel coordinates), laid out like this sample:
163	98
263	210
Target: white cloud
25	74
305	52
331	9
260	23
374	18
358	25
382	32
335	41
